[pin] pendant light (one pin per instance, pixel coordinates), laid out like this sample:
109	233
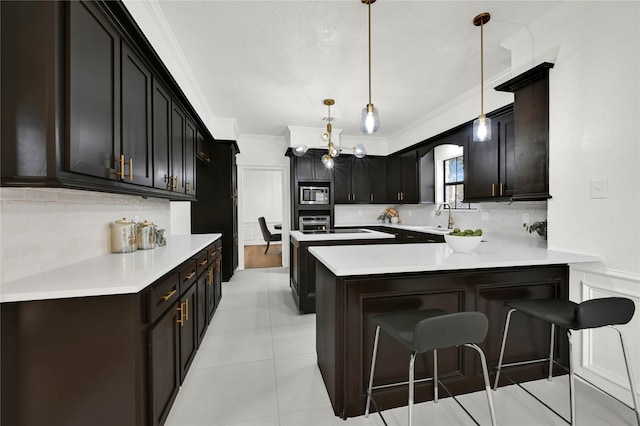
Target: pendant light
370	120
482	124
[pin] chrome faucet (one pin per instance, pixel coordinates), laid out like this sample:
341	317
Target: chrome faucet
439	210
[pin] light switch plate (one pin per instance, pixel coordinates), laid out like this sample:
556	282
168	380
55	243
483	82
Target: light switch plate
599	188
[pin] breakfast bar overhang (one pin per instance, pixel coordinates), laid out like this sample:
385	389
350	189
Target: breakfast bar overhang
356	282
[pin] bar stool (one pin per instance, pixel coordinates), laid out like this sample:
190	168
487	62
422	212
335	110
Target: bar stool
432	329
604	312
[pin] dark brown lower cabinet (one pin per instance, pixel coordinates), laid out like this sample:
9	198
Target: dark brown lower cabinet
102	360
164	364
345	333
188	330
202	319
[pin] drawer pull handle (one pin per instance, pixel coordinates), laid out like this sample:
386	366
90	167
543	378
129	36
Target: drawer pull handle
204	262
188	277
410	236
168	295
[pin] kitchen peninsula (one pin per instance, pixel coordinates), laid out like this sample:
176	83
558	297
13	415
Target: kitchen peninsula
356	282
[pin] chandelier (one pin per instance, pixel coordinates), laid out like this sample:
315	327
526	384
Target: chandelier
333	150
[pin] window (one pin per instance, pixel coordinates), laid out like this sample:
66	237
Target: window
454	182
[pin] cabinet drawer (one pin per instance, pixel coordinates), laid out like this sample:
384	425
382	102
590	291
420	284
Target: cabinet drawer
162	295
202	262
187	275
214	250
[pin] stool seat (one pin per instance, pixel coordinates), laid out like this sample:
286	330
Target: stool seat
577	316
424	330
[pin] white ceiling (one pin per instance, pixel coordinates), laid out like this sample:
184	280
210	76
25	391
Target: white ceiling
270	64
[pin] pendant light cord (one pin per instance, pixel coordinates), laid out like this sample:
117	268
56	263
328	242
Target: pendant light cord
482	68
369	8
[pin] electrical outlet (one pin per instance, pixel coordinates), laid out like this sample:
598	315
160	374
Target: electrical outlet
410	213
599	188
359	212
485	215
526	218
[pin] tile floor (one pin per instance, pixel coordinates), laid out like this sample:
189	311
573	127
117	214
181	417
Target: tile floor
257	367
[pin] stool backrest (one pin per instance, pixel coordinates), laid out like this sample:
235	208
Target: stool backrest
450	330
604	311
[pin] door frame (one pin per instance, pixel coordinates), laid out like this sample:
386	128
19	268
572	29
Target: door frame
286	226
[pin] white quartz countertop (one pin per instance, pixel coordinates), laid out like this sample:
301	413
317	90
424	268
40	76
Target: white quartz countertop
400	258
365	234
121	273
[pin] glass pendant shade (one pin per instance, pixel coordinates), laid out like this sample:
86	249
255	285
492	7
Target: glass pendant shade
370	120
333	151
328	161
482	129
299	150
359	151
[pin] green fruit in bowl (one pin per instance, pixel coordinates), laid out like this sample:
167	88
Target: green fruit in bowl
466	233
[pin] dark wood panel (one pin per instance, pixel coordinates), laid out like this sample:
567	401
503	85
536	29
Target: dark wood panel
94	100
49	350
359	180
164	364
136	118
161	136
347	304
377	179
188	330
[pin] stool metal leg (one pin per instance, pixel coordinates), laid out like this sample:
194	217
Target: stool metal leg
373	367
504	340
553	332
412	363
572	385
435	375
632	384
487	384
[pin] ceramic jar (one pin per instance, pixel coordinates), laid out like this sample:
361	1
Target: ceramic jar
123	236
146	235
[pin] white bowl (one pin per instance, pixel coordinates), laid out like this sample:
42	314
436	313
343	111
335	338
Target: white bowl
462	244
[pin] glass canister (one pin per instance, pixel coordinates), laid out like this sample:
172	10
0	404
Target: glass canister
123	236
146	235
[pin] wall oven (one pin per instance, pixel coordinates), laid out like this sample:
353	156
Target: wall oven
314	195
314	223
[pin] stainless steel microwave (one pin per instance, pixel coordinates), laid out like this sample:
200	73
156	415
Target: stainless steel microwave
314	195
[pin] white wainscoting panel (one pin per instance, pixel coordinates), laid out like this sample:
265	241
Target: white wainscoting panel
598	354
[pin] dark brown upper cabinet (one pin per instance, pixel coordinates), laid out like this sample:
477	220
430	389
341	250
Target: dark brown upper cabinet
403	178
309	167
377	170
137	146
88	104
490	165
93	81
531	132
161	137
351	180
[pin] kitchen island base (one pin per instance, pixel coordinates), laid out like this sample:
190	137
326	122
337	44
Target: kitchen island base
345	334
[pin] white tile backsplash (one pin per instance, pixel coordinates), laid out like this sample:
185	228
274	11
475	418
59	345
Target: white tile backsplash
504	218
47	228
